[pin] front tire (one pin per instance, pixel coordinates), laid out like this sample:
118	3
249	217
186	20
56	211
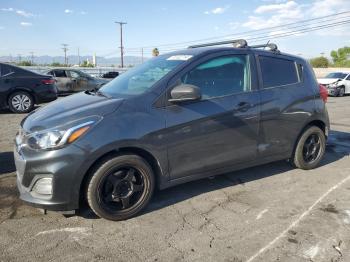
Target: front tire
120	187
21	102
310	148
341	91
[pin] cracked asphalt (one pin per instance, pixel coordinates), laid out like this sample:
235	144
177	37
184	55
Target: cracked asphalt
266	213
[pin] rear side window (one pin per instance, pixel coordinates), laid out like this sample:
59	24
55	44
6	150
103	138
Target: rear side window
278	71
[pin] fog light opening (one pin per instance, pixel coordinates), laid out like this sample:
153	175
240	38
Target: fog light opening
43	186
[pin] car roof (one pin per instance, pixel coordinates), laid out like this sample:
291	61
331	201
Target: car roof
208	50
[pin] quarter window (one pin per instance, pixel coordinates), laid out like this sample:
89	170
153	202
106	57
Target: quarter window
278	72
221	76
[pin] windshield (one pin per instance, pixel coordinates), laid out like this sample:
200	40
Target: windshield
336	75
141	78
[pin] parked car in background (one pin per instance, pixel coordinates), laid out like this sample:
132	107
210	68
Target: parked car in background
178	117
110	75
73	80
21	89
337	83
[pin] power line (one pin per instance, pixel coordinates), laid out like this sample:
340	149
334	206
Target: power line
250	31
286	33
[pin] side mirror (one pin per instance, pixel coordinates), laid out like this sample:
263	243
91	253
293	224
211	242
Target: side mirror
185	92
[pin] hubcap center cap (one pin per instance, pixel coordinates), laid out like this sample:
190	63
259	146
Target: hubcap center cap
124	189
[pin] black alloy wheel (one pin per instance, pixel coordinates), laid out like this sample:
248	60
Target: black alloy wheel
120	187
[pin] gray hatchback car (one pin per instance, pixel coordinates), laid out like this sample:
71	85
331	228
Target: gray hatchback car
178	117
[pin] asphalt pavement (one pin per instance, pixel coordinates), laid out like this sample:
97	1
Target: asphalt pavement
267	213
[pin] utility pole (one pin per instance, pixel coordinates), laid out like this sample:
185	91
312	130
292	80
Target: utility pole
121	42
78	57
65	49
142	55
32	58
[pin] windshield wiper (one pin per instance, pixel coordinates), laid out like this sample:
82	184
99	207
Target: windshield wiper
99	93
96	93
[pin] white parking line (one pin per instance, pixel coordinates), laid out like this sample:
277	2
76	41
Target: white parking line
296	222
261	214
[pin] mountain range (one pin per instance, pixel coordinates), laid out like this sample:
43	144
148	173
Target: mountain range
73	60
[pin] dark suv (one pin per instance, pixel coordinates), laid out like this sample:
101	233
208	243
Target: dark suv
21	89
178	117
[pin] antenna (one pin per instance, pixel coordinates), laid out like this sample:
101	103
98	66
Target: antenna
266	44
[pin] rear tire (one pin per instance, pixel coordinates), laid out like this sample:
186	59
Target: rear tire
120	187
21	102
310	148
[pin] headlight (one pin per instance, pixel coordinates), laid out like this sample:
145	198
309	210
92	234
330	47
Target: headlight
54	138
333	85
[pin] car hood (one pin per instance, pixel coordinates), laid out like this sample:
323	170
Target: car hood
327	81
69	109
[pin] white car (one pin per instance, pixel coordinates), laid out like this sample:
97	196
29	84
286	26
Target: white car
337	83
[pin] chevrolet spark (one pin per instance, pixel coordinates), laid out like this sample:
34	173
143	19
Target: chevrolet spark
190	114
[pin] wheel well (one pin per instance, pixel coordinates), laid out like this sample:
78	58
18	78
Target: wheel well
151	160
317	123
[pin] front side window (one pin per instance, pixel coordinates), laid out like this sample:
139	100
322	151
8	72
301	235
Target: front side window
74	74
141	78
278	71
221	76
60	73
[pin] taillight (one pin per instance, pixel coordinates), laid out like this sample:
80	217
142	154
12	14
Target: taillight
48	81
323	93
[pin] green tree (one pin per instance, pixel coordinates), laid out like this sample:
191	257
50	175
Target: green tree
56	64
319	62
86	64
341	56
155	52
24	63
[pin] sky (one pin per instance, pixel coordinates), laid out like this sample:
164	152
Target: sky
41	26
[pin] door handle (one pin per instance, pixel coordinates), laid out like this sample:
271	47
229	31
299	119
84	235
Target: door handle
242	107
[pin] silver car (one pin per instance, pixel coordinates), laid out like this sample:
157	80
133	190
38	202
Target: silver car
72	80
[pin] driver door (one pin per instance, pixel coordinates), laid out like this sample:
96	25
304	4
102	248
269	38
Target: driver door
79	83
221	129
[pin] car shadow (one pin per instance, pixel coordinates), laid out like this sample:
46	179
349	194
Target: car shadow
338	146
7	163
8	111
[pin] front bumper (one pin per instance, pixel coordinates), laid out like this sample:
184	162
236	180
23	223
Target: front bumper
66	168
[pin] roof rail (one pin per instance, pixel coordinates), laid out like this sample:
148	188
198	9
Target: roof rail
239	43
273	47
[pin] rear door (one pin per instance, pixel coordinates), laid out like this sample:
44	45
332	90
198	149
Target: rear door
221	129
6	83
287	102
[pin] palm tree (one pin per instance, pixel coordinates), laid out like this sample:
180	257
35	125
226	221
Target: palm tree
155	52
